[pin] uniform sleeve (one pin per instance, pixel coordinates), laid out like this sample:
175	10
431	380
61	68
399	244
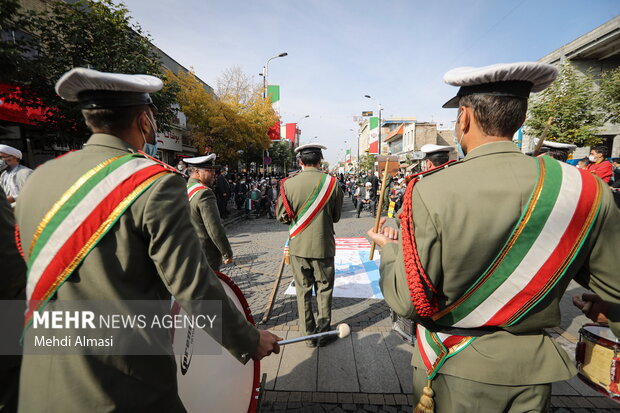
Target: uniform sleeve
175	250
213	224
280	214
600	273
12	266
338	204
393	280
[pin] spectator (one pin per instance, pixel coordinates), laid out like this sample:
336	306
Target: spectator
583	163
600	166
366	197
15	175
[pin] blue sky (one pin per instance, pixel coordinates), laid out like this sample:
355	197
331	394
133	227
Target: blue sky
340	50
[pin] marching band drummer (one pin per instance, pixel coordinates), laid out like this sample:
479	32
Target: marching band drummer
488	248
147	252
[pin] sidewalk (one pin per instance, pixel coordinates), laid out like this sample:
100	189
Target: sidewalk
370	370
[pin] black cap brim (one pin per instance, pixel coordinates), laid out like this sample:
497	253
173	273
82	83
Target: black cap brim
452	103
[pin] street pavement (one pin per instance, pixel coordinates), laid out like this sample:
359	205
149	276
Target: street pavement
369	370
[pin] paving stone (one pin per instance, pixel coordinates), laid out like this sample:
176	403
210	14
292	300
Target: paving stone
306	397
376	399
579	402
360	398
282	396
375	371
294	396
400	399
331	397
318	397
337	368
557	402
349	407
298	368
345	398
370	408
389	399
389	409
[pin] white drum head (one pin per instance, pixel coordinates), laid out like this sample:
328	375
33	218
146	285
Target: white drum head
218	383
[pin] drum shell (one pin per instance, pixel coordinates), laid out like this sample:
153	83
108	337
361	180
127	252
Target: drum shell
598	359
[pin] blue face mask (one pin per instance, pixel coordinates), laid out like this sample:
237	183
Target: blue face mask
149	148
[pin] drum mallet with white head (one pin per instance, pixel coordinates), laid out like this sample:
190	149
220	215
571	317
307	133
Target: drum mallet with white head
342	331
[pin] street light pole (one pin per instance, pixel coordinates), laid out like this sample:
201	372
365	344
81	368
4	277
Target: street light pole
265	84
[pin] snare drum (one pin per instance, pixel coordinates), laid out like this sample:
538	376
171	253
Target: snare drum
598	360
218	383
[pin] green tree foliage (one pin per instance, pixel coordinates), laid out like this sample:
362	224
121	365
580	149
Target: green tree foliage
233	125
282	154
569	100
86	33
367	161
610	95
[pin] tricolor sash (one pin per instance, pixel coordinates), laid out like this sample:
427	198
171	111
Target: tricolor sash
80	218
545	241
311	208
194	188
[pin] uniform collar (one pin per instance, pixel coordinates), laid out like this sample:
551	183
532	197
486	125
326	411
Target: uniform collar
310	169
102	139
194	181
492	148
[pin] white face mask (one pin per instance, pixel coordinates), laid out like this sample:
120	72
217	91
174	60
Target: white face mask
591	158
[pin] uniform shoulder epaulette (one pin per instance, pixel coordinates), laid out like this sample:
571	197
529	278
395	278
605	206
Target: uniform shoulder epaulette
164	164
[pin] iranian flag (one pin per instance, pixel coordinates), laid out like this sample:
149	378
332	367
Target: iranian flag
347	157
373	126
273	93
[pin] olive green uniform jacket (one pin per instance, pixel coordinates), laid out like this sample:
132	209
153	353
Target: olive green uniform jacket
462	216
151	253
317	240
208	225
12	285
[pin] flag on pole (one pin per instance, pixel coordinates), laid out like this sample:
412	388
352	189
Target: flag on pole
373	127
273	92
347	157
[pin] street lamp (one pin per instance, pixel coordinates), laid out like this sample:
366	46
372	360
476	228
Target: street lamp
266	72
380	109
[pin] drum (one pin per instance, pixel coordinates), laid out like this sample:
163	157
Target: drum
218	383
598	360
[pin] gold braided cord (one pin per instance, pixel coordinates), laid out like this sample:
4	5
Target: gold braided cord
105	226
63	199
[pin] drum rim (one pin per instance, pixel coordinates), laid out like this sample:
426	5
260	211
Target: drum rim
594	338
248	315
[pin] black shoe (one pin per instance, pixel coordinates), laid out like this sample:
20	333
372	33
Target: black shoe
323	341
311	343
357	216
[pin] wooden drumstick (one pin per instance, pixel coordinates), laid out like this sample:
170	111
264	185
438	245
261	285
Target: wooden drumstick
380	206
542	137
343	331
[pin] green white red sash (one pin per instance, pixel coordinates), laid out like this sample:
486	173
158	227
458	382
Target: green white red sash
318	199
80	219
194	188
543	244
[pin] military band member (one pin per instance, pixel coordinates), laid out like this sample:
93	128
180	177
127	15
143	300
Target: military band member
556	150
435	155
148	252
310	203
487	249
204	211
12	285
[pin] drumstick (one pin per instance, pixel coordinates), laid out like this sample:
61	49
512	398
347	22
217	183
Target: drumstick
342	331
542	137
380	207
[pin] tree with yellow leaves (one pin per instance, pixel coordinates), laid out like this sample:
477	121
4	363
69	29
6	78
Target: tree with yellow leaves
236	121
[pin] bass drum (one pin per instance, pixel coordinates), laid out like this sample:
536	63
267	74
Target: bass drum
218	383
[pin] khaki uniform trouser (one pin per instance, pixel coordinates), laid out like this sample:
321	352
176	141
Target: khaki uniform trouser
317	273
454	394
